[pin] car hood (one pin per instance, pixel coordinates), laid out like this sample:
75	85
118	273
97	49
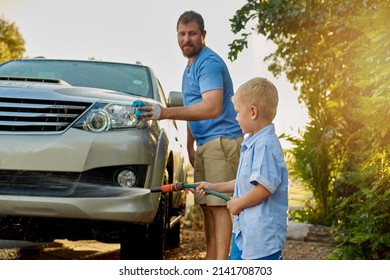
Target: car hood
44	90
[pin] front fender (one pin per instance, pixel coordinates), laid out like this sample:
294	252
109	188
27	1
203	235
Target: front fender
160	160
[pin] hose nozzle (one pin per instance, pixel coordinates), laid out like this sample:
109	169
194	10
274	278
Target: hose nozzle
168	188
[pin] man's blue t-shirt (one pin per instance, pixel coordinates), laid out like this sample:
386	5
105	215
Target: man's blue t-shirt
209	72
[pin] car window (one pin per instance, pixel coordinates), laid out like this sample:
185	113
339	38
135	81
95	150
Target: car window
126	78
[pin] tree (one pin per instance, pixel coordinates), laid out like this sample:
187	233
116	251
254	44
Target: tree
364	217
340	63
311	39
11	41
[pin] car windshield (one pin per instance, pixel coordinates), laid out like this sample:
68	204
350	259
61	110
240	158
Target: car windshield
126	78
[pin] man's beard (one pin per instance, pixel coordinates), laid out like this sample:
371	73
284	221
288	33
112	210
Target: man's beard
190	51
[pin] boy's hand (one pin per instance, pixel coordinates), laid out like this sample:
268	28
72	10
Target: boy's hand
233	205
203	185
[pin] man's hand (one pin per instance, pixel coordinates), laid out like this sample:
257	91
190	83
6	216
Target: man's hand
153	112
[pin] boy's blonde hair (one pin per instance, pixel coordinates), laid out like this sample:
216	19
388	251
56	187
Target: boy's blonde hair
261	93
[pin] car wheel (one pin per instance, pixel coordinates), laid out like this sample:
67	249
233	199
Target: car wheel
147	242
173	240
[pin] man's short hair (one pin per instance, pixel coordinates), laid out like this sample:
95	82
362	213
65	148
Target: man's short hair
190	16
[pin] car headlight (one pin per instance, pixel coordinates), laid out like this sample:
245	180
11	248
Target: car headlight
97	120
107	116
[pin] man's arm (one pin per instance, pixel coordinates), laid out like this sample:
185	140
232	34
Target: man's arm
190	146
210	107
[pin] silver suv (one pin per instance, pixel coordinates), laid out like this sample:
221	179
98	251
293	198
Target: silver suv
77	163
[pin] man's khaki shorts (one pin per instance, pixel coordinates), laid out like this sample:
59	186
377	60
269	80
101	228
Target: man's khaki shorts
216	161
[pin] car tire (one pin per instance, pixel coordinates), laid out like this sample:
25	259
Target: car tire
147	242
174	236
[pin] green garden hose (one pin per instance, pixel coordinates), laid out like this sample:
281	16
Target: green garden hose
182	186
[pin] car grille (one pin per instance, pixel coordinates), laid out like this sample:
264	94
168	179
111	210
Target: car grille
38	183
33	115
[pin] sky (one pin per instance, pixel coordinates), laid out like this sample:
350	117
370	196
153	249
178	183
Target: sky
145	31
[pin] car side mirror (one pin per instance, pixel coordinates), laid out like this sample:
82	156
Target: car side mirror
175	99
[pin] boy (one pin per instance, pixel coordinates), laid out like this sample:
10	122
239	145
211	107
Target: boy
260	200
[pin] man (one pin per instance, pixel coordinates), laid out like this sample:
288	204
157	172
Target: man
207	90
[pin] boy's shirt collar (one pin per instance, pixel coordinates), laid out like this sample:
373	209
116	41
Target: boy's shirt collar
252	138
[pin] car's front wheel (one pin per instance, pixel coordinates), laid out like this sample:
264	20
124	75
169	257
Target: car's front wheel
147	242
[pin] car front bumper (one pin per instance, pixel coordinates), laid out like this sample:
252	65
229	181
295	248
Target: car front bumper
135	206
75	152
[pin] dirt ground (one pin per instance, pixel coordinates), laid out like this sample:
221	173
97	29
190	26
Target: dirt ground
193	245
193	248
